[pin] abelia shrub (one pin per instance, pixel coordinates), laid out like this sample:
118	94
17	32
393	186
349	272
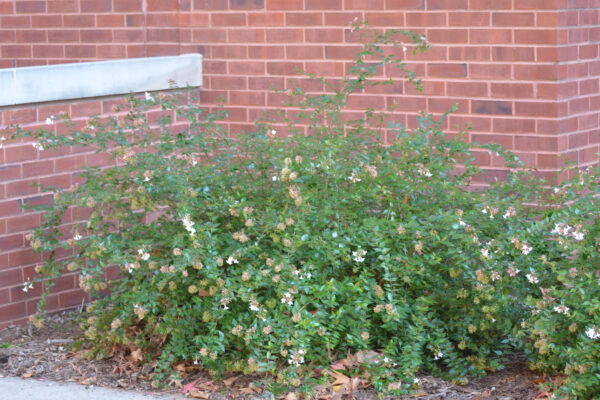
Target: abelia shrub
281	253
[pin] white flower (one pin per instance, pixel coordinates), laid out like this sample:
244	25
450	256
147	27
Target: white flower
386	360
562	309
231	260
526	249
130	267
461	222
26	286
273	132
188	224
144	255
354	178
287	299
149	96
561	229
578	236
50	120
593	333
532	278
438	355
485	253
37	146
416	381
359	255
77	236
274	178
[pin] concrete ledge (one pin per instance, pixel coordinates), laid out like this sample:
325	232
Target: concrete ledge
95	79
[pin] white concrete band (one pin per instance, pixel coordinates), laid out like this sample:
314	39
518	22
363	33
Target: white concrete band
95	79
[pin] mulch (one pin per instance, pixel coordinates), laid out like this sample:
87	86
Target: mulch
50	354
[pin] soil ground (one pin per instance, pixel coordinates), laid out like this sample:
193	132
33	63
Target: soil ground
48	353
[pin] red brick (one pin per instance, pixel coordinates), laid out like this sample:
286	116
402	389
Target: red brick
512	90
494	107
469	53
15	22
323	4
266	52
79	21
284	68
469	18
304	52
162	5
405	4
536	109
246	35
447	4
448	35
285	35
513	19
96	35
445	104
30	6
9	207
12	311
536	72
269	19
247	98
62	6
303	19
22	222
430	19
513	53
491	36
447	70
9	172
512	125
63	36
11	242
329	68
537	36
471	89
323	35
7	7
246	4
284	4
96	5
21	153
539	4
246	67
16	51
205	5
231	19
490	71
38	168
46	21
111	20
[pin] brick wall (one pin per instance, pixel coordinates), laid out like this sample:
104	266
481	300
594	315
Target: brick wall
525	74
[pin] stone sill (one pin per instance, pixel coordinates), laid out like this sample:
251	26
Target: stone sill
96	79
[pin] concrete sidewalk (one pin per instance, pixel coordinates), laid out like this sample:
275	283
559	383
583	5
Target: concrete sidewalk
31	389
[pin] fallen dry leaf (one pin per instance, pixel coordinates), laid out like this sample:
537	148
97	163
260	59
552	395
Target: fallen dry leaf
88	381
189	386
197	394
136	355
291	396
27	375
230	381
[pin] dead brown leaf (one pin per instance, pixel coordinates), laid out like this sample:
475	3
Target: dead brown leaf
230	381
291	396
197	394
135	355
27	375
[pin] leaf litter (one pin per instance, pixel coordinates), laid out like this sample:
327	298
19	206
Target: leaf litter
50	353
